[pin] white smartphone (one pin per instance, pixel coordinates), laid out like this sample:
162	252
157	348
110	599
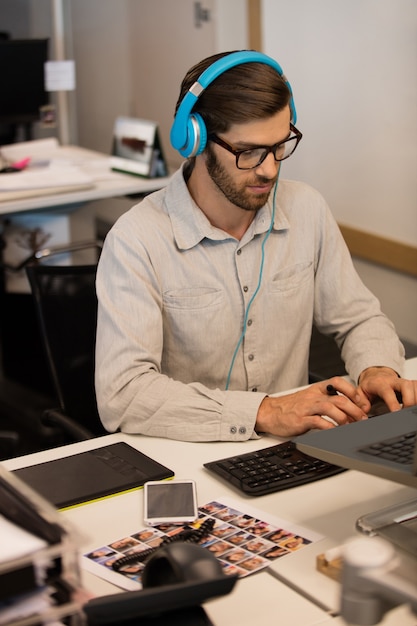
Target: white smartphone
170	501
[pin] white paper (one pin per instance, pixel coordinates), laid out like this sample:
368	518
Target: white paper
59	76
36	148
16	542
44	177
244	539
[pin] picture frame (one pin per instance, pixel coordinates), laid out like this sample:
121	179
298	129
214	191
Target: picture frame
137	148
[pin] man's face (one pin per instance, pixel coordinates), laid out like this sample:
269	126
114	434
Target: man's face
247	189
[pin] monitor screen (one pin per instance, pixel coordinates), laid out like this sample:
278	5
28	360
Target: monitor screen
22	90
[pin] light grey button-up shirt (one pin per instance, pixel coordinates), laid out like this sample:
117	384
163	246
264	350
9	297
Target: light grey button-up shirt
173	293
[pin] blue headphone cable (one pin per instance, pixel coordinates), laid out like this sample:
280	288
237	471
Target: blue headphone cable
245	319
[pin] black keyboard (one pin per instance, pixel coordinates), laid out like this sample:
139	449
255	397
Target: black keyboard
399	449
271	469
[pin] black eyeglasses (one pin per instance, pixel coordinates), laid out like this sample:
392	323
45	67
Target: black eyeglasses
252	157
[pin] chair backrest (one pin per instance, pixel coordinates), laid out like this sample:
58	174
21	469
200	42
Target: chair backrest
66	305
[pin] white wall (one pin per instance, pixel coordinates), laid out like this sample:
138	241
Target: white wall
353	69
131	56
397	293
101	44
353	66
232	26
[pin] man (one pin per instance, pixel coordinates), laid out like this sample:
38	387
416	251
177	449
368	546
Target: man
208	289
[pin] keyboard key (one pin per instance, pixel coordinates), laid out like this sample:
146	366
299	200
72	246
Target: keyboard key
271	469
397	449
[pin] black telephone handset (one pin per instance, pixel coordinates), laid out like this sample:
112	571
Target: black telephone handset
177	578
188	535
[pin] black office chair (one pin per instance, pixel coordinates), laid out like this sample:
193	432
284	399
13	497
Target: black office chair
324	360
66	306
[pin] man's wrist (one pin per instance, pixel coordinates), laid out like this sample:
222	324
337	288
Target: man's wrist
376	367
259	427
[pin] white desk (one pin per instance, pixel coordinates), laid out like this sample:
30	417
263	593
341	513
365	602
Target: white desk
62	217
106	184
254	599
291	591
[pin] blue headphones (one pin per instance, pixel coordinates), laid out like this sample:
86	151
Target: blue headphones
188	132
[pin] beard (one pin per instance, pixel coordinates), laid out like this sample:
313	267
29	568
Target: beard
238	195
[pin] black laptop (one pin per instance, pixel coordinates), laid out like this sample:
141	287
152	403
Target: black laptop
384	446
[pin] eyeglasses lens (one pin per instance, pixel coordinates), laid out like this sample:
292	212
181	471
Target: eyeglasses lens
252	158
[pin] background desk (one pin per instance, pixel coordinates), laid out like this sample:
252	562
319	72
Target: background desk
59	214
107	184
290	591
61	218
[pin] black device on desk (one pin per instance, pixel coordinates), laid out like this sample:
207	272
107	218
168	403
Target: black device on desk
92	474
271	469
176	580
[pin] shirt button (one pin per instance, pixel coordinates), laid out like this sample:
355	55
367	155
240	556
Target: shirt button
233	430
242	430
249	322
245	288
255	389
239	252
251	357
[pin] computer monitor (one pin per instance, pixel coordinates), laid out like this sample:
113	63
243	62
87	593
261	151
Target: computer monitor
22	91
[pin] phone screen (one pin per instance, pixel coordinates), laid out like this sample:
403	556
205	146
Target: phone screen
170	501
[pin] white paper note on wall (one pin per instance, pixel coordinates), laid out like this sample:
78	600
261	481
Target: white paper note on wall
59	75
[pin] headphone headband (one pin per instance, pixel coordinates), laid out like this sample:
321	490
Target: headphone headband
188	132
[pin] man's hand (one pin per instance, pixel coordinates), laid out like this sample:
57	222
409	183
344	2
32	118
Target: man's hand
298	412
384	383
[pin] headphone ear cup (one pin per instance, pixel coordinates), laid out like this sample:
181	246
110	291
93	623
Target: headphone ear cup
188	132
202	133
196	136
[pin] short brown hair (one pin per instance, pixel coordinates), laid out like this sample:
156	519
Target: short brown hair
243	93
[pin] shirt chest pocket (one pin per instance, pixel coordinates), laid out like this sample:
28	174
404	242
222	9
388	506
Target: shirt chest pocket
292	278
190	316
192	299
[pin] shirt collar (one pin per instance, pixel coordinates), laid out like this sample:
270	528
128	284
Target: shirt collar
190	225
